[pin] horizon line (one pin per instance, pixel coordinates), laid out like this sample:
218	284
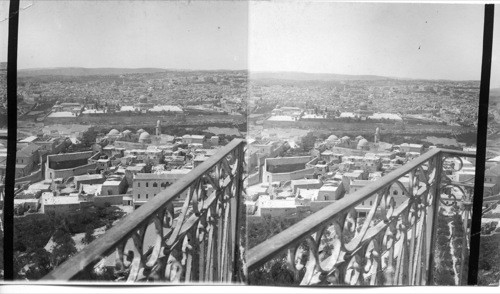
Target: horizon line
253	71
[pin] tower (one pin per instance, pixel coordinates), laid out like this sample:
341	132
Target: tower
377	135
158	128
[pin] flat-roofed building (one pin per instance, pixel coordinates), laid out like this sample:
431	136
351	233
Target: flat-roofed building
286	169
88	179
418	148
330	193
275	208
114	186
68	165
58	205
147	185
305	184
193	139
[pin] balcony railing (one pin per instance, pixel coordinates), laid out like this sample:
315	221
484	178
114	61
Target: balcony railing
168	239
391	245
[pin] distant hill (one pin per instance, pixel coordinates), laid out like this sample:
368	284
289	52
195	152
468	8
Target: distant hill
495	92
81	71
302	76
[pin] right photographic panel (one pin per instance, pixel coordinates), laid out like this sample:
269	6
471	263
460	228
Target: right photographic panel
489	253
362	139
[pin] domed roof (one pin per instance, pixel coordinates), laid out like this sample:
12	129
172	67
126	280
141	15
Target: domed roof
143	99
363	105
144	136
346	138
363	143
140	131
113	132
332	138
127	132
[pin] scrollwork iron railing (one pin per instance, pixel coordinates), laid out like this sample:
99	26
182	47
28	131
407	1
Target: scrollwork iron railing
393	244
168	239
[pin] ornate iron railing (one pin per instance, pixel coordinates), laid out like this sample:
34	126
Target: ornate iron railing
196	239
391	245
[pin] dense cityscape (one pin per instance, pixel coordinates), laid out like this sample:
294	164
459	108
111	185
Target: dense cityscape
81	155
92	149
313	143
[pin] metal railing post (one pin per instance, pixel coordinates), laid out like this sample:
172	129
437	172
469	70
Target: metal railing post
431	222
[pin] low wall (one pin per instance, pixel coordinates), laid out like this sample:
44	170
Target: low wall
318	205
283	177
111	199
34	177
253	179
70	172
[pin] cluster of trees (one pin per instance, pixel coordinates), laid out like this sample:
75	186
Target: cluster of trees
275	272
32	261
489	260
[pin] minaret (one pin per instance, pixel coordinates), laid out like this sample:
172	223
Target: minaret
377	135
158	128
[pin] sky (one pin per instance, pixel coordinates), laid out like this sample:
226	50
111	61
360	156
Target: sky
134	34
430	41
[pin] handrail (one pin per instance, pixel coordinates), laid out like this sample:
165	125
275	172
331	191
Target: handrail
268	249
127	226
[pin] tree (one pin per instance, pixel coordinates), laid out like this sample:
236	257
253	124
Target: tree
89	137
64	248
41	264
308	141
89	235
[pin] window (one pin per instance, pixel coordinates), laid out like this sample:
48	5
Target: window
395	192
138	196
138	184
147	196
370	203
147	184
155	184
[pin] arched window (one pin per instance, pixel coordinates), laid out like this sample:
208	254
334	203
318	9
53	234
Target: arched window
395	192
155	185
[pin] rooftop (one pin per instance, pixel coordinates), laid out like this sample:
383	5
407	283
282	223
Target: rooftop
62	114
281	118
305	182
48	198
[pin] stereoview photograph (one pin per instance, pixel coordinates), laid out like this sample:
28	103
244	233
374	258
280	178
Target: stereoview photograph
276	143
131	128
362	142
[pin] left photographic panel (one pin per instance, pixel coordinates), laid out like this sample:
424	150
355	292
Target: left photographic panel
131	141
4	33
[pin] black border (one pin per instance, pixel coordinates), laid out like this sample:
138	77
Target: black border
482	133
8	208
